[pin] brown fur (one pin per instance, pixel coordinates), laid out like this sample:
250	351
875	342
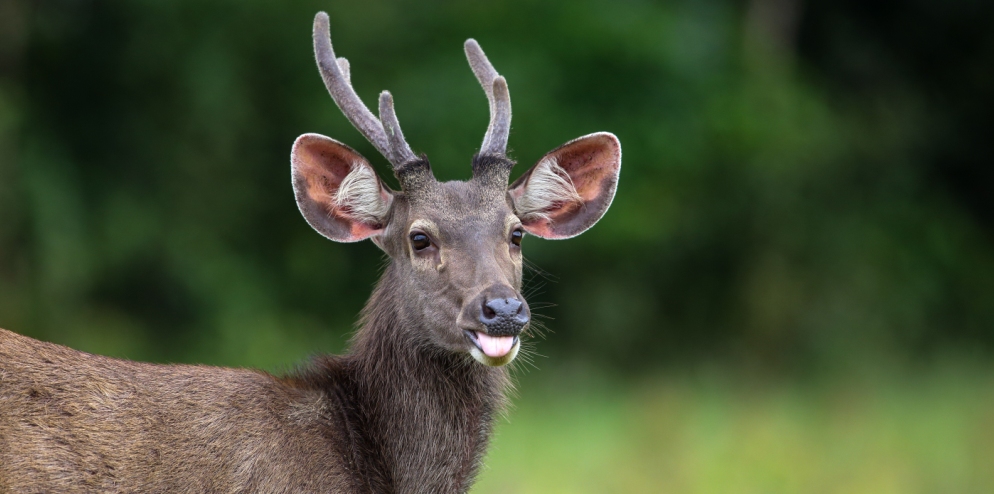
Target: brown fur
388	417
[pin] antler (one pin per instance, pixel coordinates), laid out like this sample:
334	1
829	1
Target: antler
385	136
495	141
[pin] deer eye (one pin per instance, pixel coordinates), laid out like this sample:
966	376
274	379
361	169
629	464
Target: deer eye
516	236
420	241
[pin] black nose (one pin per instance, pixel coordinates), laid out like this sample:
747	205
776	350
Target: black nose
504	316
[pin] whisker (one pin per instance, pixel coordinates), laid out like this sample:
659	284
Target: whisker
535	269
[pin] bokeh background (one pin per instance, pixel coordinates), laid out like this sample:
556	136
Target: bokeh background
793	291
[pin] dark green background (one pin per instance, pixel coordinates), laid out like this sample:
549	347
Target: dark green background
806	186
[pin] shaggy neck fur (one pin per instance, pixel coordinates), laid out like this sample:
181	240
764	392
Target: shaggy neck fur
417	418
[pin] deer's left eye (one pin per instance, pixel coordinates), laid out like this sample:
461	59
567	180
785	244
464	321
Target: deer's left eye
516	236
420	241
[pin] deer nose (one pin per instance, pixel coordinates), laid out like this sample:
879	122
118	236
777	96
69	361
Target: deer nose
504	316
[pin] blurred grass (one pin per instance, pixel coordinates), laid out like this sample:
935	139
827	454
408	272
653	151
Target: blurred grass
927	432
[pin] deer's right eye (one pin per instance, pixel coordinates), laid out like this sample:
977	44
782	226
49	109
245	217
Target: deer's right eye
420	241
516	236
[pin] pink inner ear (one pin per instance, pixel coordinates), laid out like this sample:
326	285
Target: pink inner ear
362	231
540	227
324	171
588	166
592	163
320	164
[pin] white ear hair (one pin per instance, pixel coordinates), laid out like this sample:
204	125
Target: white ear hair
549	185
359	195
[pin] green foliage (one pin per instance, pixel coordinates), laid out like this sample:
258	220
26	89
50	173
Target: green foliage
764	218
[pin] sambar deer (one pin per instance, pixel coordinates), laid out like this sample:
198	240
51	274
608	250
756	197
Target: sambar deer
408	409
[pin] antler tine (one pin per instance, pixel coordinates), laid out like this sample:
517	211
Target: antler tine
495	140
337	78
482	69
398	145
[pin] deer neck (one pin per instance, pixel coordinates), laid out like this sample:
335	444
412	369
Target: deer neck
424	414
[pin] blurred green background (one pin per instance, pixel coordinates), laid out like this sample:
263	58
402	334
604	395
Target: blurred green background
793	291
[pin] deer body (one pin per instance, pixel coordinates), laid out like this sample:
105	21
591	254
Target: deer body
380	419
408	409
74	422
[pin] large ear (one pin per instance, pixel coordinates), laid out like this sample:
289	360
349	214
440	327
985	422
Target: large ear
570	188
337	190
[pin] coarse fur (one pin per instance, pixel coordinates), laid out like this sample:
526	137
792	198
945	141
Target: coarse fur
408	409
388	417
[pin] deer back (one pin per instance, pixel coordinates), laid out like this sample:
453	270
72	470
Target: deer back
72	422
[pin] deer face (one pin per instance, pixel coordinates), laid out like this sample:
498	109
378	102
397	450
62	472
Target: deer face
455	247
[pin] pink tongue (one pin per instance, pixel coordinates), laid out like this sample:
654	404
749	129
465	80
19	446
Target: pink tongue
495	346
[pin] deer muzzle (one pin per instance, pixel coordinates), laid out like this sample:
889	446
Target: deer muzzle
497	316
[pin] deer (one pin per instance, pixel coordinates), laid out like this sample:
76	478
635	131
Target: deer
412	403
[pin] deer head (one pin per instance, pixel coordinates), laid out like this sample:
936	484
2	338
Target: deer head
454	247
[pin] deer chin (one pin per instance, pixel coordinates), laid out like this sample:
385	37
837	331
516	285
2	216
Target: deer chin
492	351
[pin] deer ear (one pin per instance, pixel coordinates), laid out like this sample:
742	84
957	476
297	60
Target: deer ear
337	190
570	188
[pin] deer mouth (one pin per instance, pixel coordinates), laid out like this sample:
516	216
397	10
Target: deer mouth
492	350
